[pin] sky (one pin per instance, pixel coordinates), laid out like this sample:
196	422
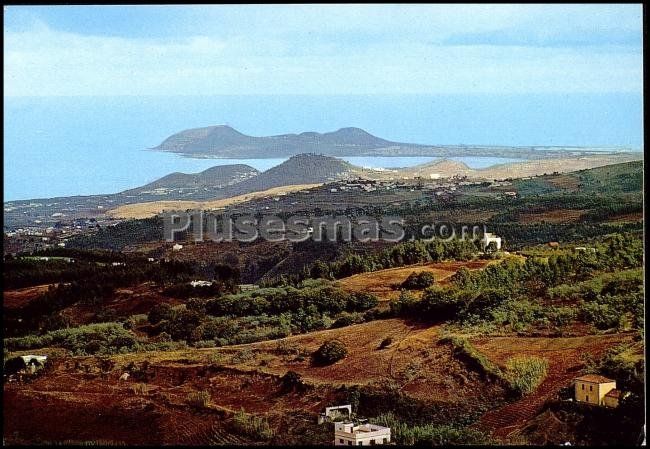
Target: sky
322	50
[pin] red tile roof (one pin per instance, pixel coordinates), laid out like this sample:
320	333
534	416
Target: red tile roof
595	378
614	393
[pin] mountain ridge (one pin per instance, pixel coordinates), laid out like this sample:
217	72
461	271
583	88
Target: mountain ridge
225	141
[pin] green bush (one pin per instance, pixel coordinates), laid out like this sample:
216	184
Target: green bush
160	312
418	281
330	352
252	426
429	434
243	356
199	399
99	338
526	373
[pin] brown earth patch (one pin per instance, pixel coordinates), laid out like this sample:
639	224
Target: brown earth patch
626	218
553	216
18	298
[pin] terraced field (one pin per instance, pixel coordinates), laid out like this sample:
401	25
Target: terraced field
566	359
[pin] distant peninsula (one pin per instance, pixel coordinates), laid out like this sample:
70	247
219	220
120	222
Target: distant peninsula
222	141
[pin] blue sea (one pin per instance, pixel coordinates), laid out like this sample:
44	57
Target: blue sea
62	146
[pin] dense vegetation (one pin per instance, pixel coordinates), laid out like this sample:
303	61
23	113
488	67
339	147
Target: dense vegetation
429	434
260	314
526	373
517	294
398	255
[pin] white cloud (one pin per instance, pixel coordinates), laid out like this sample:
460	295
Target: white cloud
273	54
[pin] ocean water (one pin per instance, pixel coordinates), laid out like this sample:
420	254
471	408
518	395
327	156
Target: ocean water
61	146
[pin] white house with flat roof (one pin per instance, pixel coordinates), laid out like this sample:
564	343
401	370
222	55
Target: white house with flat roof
360	434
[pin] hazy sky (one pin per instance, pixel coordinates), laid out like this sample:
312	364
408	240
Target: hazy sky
322	49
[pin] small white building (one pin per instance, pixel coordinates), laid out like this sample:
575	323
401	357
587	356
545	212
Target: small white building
177	247
334	412
491	238
200	283
360	434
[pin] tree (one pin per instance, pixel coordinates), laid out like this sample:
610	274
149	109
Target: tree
183	324
160	312
418	281
330	352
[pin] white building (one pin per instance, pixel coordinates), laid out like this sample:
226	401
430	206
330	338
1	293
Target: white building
490	238
177	247
334	412
200	283
358	434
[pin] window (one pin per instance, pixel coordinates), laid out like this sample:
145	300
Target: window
385	440
583	386
360	443
340	440
350	443
587	398
372	442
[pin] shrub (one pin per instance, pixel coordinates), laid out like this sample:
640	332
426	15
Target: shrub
140	389
418	281
330	352
348	319
526	373
285	347
243	356
252	426
160	312
429	434
205	344
404	304
199	399
292	380
99	338
216	358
